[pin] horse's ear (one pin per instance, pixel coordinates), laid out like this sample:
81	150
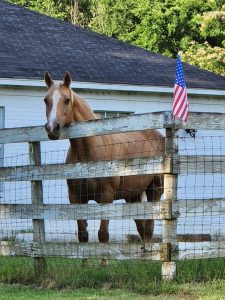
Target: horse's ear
48	80
67	79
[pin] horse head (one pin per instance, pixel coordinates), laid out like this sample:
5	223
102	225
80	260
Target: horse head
58	101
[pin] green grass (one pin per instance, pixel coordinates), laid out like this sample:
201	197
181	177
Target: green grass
213	290
22	293
68	279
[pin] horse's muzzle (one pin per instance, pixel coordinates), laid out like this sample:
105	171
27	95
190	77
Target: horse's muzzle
53	132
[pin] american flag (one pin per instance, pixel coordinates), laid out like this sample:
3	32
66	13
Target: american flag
180	100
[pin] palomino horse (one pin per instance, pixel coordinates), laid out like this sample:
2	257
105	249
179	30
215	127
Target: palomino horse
64	107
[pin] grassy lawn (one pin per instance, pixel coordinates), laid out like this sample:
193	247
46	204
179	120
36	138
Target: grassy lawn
214	290
71	279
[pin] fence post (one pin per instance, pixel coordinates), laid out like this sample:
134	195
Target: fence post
40	264
170	195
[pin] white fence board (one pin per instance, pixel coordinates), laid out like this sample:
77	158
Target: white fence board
199	250
84	129
207	207
152	251
157	120
121	211
127	167
197	164
81	250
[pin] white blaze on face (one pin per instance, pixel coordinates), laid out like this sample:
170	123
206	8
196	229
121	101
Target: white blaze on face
52	118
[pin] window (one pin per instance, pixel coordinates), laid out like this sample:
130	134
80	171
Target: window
111	114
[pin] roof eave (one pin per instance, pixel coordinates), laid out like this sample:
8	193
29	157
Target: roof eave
7	82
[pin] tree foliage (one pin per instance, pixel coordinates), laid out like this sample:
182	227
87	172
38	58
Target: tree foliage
47	7
78	11
75	11
194	27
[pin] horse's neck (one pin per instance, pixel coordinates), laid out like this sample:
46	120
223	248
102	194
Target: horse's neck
81	112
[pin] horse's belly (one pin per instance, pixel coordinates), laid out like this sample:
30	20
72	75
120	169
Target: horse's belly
132	186
85	189
126	187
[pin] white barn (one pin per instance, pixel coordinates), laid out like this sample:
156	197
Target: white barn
114	77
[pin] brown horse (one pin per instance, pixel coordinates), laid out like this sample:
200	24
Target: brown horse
64	107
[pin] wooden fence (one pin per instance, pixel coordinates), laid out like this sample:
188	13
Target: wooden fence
168	210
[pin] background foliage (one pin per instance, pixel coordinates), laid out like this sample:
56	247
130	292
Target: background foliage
196	28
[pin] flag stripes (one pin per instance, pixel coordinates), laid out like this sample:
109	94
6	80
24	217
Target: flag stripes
180	103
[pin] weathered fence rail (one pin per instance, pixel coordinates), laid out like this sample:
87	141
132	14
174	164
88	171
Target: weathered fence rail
171	165
51	212
145	210
152	251
128	167
137	166
201	121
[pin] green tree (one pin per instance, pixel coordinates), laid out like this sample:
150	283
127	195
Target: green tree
78	12
47	7
212	27
206	57
209	52
114	18
75	11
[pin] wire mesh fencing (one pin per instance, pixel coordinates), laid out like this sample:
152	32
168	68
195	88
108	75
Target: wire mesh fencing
169	207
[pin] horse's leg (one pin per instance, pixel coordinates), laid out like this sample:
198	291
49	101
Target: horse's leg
81	224
106	197
82	231
103	233
154	193
144	227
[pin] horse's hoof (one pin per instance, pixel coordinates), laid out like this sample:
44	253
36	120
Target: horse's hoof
103	236
83	237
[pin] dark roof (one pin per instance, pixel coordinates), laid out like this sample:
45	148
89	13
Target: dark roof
32	43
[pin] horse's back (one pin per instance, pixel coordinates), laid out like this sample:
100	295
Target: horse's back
131	145
147	143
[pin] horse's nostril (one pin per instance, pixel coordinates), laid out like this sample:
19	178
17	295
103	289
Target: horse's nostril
57	126
47	127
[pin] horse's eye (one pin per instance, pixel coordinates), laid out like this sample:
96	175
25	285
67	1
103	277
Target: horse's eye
45	100
67	101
